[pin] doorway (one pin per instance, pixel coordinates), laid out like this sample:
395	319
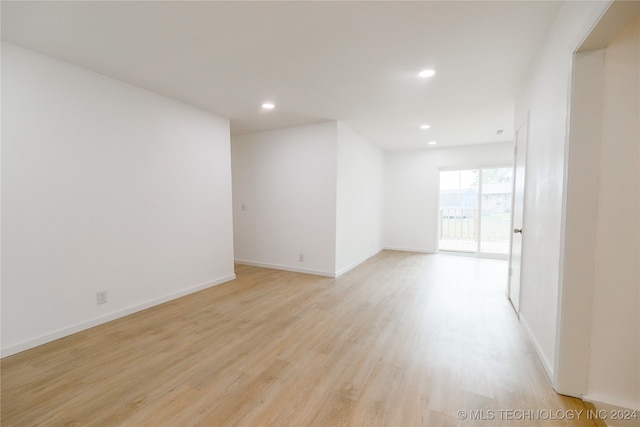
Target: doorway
475	210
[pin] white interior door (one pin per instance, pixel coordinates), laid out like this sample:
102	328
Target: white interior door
517	218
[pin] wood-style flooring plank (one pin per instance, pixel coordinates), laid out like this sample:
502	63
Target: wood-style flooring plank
404	339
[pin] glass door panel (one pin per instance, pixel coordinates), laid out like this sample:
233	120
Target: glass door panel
475	210
495	218
459	219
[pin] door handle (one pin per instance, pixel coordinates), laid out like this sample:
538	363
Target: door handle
517	230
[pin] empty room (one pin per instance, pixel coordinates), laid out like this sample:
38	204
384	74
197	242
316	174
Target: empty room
318	213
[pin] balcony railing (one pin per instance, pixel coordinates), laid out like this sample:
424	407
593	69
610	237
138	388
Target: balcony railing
459	223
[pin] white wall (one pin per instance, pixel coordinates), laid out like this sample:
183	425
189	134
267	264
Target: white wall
104	187
359	199
412	190
572	358
599	336
286	182
545	98
614	363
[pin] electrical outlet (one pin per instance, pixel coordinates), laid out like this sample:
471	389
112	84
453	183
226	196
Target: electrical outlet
101	297
301	257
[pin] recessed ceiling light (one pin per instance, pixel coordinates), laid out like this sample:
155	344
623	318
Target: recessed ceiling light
426	73
432	142
268	106
425	126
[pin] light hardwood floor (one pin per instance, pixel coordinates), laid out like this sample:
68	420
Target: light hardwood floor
403	340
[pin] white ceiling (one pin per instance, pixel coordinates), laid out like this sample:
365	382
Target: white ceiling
351	61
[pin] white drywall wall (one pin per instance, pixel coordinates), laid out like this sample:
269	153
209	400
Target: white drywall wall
544	98
614	367
412	190
284	198
105	187
359	199
572	357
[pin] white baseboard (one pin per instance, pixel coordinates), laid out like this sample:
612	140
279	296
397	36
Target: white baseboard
615	403
308	270
548	367
403	249
286	268
357	263
611	410
69	330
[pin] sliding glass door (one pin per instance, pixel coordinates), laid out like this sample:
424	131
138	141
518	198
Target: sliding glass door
475	210
459	205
